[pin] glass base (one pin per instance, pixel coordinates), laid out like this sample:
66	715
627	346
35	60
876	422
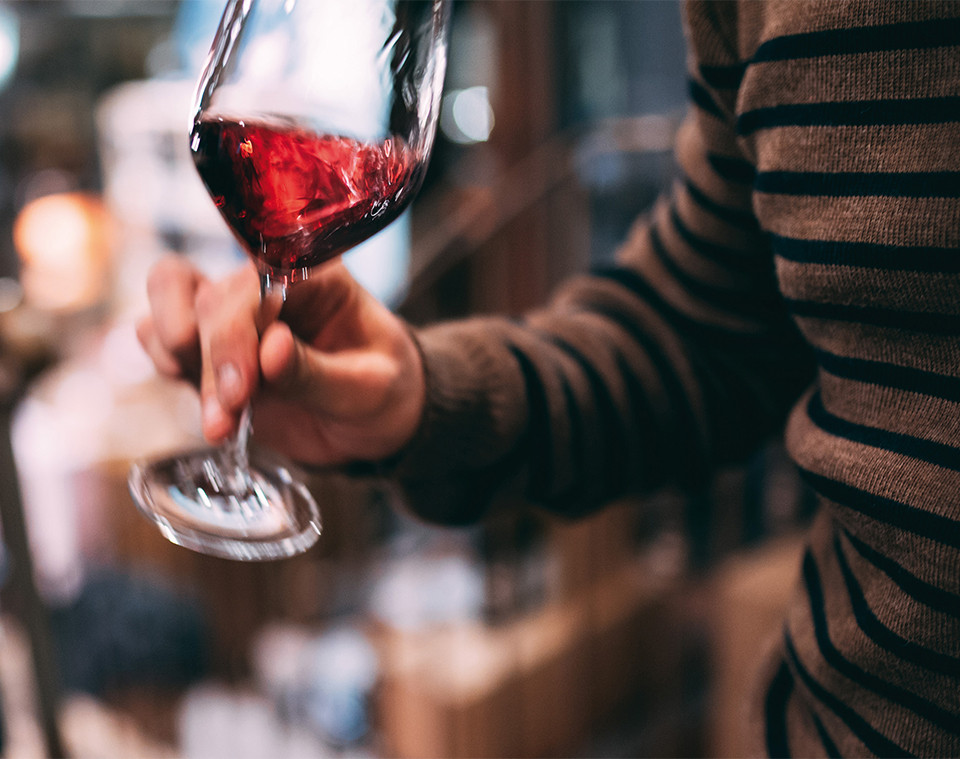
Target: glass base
203	501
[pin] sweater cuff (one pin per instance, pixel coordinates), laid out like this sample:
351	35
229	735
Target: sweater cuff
474	414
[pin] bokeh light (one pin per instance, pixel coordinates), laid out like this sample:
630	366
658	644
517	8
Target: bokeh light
63	241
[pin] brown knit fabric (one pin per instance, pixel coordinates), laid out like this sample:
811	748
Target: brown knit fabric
808	259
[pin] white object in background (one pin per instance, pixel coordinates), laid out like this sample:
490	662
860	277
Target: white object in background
417	592
322	680
98	409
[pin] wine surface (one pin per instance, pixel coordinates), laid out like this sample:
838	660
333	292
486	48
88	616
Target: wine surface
296	198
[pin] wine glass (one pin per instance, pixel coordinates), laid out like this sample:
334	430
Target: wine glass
312	128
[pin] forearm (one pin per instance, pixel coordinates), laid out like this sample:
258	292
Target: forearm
678	359
610	389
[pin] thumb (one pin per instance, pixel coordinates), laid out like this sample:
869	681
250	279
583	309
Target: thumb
342	385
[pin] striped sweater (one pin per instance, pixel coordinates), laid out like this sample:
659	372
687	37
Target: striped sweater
803	273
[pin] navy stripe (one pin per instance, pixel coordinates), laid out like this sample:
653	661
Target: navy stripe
573	498
929	259
745	262
930	323
722	77
775	713
733	301
891	375
538	432
734	216
701	96
652	456
929	451
883	636
716	334
911	35
887	510
874	741
888	184
686	428
929	711
931	110
732	169
779	350
829	747
612	435
936	598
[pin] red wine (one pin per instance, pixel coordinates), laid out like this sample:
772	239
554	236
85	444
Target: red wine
296	198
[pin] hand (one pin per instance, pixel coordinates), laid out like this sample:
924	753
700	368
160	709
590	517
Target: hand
338	378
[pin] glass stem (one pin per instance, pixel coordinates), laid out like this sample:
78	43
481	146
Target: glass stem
236	447
273	294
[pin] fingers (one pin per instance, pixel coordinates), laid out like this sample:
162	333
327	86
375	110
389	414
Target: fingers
348	376
336	365
227	315
169	336
165	363
367	399
355	384
326	304
338	385
206	332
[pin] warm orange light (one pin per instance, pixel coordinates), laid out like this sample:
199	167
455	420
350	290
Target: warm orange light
63	243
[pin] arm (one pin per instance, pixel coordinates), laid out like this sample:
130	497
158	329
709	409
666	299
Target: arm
678	360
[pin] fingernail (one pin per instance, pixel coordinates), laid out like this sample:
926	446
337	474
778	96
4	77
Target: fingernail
212	412
228	383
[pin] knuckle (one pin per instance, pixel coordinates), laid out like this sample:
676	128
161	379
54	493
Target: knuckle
144	331
205	300
245	279
163	275
182	338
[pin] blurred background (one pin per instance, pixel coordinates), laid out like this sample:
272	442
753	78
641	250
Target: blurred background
631	633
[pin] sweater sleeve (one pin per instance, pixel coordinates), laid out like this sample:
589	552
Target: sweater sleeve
676	360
